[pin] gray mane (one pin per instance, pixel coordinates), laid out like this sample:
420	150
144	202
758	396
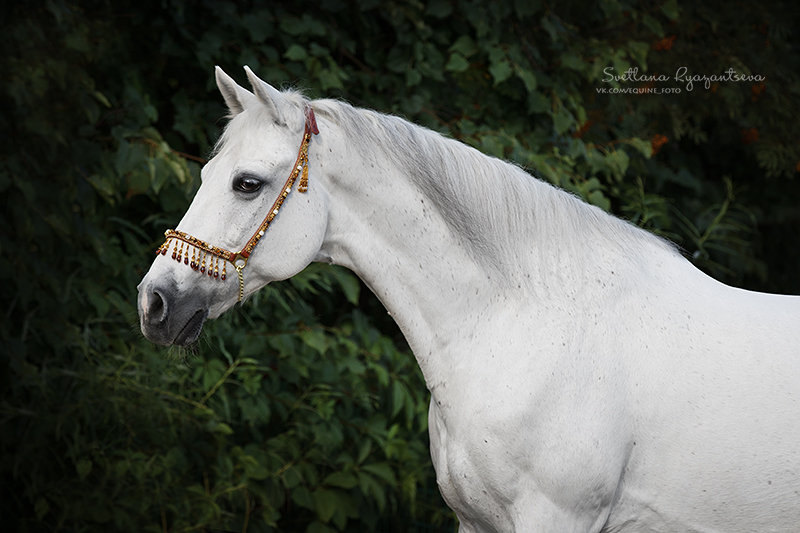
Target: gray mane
499	210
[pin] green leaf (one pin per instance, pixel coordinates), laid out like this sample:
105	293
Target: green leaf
318	527
83	467
438	8
344	480
98	300
644	147
100	97
295	26
349	283
528	78
399	395
103	185
562	120
296	53
617	162
456	63
538	102
292	477
219	427
670	9
638	53
372	489
364	450
302	496
381	470
526	8
599	199
572	60
464	45
41	508
413	77
501	71
653	25
139	182
316	339
325	502
330	79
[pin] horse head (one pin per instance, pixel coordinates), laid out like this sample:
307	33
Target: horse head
231	241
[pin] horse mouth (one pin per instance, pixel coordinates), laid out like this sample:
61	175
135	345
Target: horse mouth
191	330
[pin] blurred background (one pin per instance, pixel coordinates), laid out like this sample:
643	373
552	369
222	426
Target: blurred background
304	410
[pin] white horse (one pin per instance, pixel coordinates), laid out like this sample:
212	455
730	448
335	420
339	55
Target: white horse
583	375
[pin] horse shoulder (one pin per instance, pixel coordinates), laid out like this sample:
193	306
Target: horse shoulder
523	419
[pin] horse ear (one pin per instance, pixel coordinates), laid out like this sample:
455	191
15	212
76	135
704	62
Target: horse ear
267	94
236	97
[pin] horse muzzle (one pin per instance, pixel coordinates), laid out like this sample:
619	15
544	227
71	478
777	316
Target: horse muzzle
168	316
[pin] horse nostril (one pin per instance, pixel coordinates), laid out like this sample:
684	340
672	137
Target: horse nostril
156	311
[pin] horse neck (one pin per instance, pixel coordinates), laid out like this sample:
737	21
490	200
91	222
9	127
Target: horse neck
441	253
393	236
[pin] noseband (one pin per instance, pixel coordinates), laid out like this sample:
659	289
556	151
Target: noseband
206	257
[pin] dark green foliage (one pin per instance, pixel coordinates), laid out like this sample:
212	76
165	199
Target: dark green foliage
304	411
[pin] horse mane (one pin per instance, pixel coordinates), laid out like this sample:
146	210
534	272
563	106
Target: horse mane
500	210
505	217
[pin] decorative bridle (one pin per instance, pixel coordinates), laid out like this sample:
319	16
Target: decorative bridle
206	257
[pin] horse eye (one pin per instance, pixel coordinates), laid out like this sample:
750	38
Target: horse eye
247	184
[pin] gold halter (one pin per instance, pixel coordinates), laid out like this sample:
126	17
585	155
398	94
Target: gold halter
205	258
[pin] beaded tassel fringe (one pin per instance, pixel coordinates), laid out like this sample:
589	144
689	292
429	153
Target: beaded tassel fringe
200	261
